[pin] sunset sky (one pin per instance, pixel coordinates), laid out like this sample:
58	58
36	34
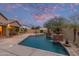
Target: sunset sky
36	14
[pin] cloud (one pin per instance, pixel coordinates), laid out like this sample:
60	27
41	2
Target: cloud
44	16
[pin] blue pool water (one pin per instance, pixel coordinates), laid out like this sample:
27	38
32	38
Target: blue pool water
44	43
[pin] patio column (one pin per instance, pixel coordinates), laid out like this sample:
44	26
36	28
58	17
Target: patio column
7	32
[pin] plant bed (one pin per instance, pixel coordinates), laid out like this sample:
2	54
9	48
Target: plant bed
58	37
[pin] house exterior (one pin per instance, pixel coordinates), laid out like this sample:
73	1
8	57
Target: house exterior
8	27
13	26
3	21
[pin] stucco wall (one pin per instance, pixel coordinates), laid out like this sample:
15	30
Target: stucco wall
68	34
77	37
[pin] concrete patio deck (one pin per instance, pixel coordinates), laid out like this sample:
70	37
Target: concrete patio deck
10	47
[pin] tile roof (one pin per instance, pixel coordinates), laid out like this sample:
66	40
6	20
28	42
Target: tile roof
7	21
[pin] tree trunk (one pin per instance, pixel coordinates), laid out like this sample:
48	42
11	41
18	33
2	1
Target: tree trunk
48	31
74	30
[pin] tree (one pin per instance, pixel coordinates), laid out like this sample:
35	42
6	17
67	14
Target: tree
55	24
75	24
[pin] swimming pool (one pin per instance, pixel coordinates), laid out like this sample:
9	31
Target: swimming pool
44	43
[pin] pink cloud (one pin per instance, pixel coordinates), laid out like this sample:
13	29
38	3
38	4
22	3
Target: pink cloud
44	16
48	8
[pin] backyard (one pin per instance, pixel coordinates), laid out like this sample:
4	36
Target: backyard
39	29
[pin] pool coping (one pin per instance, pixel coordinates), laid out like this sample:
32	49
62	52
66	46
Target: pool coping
67	48
46	50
